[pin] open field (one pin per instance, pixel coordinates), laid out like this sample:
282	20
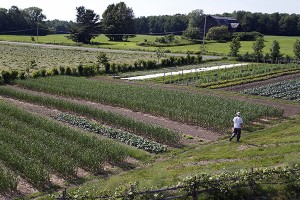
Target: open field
20	57
285	42
94	134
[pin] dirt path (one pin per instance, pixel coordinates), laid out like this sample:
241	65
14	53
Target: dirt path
198	133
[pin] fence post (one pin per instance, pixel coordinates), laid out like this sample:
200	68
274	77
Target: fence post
64	194
195	191
251	183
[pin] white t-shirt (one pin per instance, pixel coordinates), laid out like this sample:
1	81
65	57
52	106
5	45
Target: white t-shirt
237	122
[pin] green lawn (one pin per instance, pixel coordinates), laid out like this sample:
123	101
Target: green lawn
285	42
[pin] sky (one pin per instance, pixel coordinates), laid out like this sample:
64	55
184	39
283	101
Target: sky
66	9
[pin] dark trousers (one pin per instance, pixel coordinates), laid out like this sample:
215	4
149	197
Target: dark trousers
236	132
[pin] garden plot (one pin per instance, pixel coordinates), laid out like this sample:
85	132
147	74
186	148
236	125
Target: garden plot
184	71
288	90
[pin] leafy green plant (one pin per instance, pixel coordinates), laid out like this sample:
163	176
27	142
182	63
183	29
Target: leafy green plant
288	90
120	135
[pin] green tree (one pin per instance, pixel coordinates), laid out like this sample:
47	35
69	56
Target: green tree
193	30
35	17
192	34
159	54
258	47
118	22
87	26
34	14
297	49
275	51
219	33
235	46
102	59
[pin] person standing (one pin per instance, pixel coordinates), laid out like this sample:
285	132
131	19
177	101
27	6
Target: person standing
237	127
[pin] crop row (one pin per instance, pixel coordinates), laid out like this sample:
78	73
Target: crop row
150	131
35	147
230	76
288	90
8	181
195	108
120	135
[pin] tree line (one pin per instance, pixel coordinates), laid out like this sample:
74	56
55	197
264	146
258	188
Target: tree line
119	23
16	21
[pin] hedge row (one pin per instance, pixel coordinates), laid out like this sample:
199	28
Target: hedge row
108	68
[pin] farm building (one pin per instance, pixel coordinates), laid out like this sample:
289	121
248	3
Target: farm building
213	21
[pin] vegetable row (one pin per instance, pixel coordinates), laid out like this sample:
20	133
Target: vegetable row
194	108
120	135
288	90
150	131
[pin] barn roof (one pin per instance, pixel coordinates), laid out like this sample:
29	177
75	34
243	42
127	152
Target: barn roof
227	21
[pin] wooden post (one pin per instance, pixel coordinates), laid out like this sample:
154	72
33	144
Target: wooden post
251	183
64	194
195	191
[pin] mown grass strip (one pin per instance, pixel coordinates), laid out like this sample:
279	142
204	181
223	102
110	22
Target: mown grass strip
153	132
208	111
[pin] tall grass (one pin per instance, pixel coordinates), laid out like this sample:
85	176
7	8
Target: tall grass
194	108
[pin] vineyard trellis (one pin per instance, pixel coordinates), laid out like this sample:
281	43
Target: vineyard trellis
223	185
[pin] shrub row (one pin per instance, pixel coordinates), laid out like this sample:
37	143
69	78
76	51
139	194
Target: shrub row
247	36
94	69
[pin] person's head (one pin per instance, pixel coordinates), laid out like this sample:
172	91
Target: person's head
238	114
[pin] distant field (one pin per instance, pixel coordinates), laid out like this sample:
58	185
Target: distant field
286	44
19	57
